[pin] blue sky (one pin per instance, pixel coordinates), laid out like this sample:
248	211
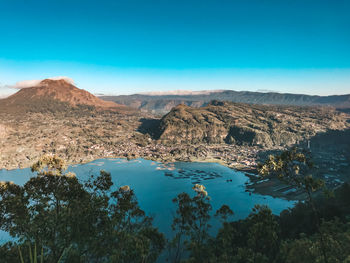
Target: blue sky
128	46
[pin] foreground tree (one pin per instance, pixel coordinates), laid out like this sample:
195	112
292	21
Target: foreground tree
79	222
191	225
44	211
295	168
255	239
308	249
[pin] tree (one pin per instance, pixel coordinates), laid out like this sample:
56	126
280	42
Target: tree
43	211
254	239
191	224
86	222
262	238
308	249
295	167
132	236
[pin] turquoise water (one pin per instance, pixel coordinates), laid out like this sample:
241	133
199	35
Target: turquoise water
155	186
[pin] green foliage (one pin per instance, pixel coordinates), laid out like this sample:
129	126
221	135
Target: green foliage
224	213
293	167
56	218
191	225
308	249
255	239
75	222
263	233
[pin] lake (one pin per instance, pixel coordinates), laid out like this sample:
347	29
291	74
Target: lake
156	184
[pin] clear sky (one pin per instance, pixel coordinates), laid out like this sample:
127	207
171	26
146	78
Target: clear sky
129	46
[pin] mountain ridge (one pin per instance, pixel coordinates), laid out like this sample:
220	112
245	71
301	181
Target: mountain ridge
243	124
164	103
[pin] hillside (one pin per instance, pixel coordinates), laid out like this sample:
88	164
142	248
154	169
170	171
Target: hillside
54	95
243	124
164	103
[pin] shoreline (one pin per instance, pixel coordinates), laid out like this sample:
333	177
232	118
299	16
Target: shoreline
254	185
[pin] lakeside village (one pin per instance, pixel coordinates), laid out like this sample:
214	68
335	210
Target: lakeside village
334	163
333	167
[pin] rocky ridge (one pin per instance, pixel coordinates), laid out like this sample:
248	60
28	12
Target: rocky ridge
242	124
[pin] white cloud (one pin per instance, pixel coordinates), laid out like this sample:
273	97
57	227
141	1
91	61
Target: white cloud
267	91
31	83
5	91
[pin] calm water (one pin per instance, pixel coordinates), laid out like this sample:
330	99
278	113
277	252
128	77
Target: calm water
155	186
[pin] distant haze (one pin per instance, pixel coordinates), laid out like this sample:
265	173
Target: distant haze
180	92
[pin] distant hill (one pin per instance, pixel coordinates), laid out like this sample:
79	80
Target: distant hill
164	103
243	124
54	95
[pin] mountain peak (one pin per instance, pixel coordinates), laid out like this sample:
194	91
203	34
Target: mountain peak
48	82
61	90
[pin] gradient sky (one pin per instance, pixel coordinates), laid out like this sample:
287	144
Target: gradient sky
129	46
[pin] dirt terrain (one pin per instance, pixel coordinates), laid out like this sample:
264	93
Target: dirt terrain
80	127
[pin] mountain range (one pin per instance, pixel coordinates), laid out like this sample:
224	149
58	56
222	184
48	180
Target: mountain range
60	93
163	103
54	116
